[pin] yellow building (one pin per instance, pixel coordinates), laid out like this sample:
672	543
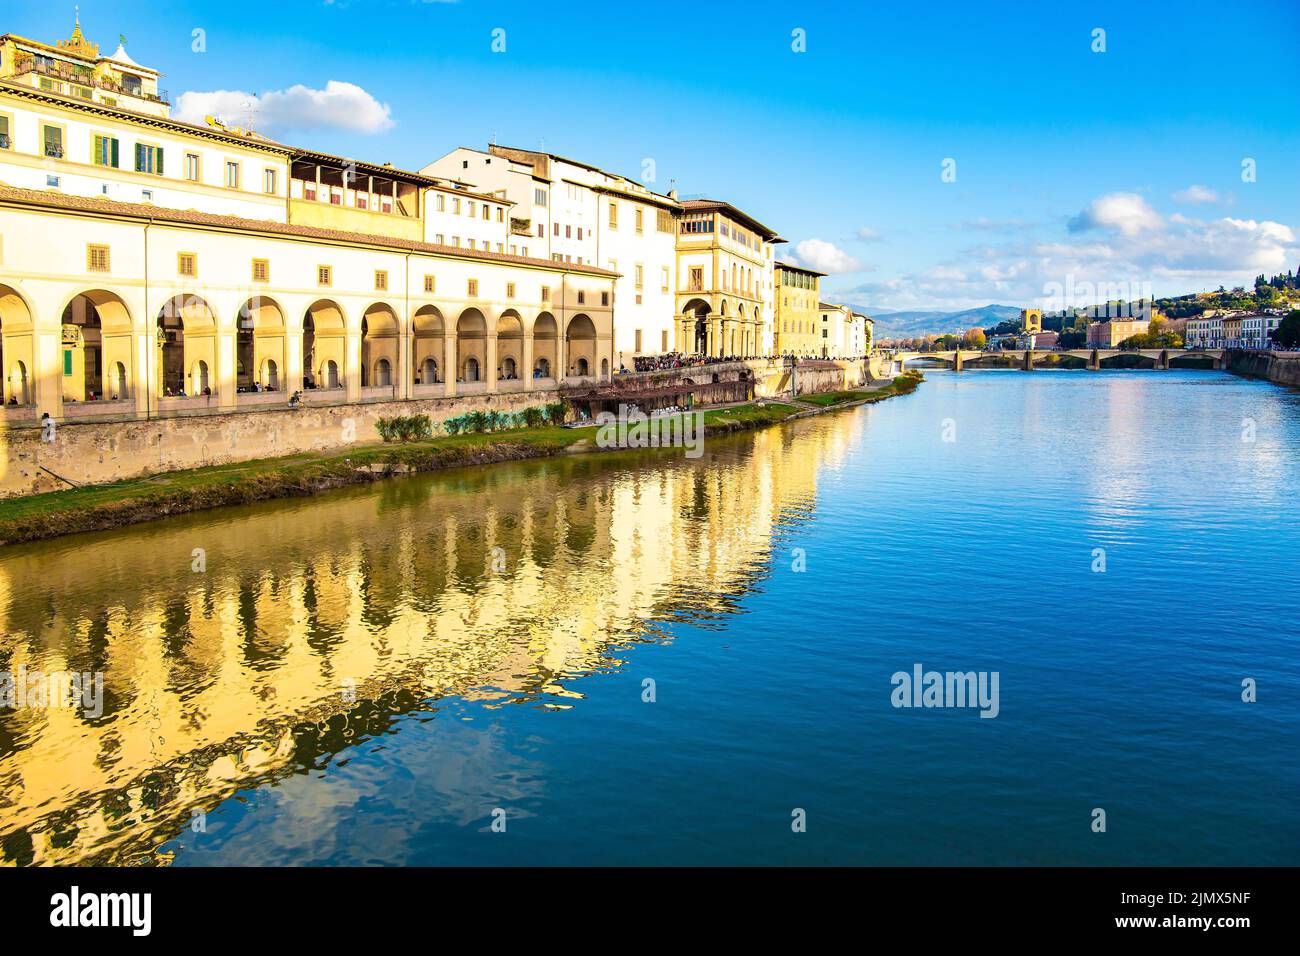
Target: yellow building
1031	320
796	330
724	280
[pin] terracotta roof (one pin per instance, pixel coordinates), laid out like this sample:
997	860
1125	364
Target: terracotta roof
111	207
791	267
717	205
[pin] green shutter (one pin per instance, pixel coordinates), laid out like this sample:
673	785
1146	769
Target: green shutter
67	361
114	142
159	170
139	158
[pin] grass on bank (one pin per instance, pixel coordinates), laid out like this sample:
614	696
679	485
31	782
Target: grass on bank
902	385
97	507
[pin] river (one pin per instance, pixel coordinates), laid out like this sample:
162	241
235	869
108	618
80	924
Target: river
644	658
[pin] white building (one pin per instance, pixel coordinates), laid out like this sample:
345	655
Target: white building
575	213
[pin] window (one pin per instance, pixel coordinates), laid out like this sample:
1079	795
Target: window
428	284
663	279
105	151
579	232
487	212
541	230
638	341
539	197
640	220
455	241
52	181
324	275
232	175
472	290
5	142
97	258
53	139
510	290
148	159
664	341
261	270
546	293
268	182
665	221
582	297
613	214
568	232
501	214
556	228
187	264
471	209
146	195
697	279
381	280
455	205
640	270
192	167
438	239
442	203
604	298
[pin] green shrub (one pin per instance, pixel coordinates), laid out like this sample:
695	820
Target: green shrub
476	421
534	415
555	412
404	428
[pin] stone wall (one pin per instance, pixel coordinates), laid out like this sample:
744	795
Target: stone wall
1280	367
97	452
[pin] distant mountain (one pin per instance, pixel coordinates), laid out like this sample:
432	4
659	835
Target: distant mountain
909	324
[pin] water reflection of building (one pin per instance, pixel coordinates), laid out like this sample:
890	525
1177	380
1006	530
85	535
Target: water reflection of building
220	680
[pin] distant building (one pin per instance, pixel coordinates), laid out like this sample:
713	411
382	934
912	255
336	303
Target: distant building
797	325
1031	320
1109	333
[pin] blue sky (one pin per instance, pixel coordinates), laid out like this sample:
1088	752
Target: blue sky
1121	167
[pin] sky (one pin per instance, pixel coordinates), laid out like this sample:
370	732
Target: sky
925	155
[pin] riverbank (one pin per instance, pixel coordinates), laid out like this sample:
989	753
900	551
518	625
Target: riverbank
1280	368
107	506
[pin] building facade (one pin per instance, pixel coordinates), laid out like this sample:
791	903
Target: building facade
798	326
575	213
151	267
724	281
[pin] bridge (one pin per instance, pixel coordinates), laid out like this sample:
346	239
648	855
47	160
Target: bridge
1025	358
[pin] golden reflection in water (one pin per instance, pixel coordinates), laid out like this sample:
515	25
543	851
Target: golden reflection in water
219	680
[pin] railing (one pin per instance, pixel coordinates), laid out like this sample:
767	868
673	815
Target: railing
82	77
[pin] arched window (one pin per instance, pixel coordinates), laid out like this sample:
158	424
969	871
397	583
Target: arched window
332	374
582	366
383	372
428	372
200	377
508	368
270	376
543	368
471	370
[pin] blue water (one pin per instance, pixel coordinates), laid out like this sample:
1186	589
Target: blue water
1120	689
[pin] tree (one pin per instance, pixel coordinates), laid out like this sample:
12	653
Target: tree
974	339
1287	333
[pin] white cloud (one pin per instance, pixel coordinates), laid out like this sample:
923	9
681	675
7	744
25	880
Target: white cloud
868	235
825	257
340	105
1195	193
1127	212
1185	255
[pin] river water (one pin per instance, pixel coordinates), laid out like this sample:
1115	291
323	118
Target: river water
643	658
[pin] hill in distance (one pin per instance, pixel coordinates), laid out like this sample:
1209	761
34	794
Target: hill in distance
910	324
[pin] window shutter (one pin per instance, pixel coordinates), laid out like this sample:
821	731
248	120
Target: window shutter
139	158
159	170
114	142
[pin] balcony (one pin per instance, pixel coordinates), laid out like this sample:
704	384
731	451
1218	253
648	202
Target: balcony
66	72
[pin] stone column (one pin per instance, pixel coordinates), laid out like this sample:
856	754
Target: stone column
527	371
491	362
449	362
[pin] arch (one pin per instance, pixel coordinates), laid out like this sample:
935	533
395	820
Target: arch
510	345
380	331
429	332
383	372
580	345
545	340
186	347
16	347
97	330
696	326
260	345
604	368
268	375
471	346
324	341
